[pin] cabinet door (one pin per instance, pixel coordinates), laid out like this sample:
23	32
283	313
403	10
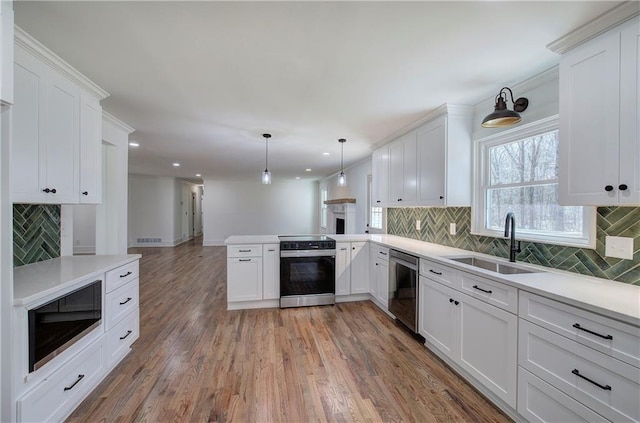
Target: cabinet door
359	268
396	173
244	279
383	283
28	144
380	178
373	271
343	271
62	147
629	117
488	346
431	140
271	272
90	150
438	315
6	52
409	169
589	122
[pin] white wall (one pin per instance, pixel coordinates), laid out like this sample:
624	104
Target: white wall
250	208
152	201
356	188
84	229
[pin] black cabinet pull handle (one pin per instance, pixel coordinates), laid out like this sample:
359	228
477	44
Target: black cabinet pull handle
623	187
244	251
488	291
378	201
434	272
450	300
577	373
608	188
384	254
577	326
68	388
128	333
47	190
244	260
126	301
85	192
125	275
456	302
270	250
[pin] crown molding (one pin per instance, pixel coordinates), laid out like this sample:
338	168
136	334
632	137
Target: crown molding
117	122
453	110
592	29
33	46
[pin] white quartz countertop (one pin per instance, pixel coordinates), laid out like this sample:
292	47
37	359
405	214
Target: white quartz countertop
252	239
618	300
39	281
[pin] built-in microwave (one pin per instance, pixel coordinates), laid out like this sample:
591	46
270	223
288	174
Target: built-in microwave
58	324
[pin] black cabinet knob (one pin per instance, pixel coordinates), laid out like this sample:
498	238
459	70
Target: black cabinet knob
47	190
441	197
608	188
85	192
623	187
399	199
53	190
378	201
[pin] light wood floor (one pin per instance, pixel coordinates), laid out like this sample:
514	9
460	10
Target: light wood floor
195	361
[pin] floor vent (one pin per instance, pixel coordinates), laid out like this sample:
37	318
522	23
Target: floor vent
148	240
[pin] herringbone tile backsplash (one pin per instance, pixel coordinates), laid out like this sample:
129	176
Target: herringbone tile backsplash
36	233
612	221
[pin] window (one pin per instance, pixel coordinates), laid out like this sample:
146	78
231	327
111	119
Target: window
323	207
517	172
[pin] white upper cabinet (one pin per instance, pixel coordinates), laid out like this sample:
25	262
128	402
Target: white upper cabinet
6	52
428	166
57	124
380	180
599	96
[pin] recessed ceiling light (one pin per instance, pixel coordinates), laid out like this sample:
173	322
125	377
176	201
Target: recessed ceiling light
176	164
134	144
198	175
297	177
326	154
307	170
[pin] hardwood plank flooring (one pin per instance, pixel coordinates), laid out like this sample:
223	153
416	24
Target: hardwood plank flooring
196	361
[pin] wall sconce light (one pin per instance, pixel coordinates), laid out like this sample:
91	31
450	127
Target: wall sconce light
266	175
502	116
342	178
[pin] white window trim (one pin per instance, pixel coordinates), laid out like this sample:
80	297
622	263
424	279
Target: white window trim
324	213
478	212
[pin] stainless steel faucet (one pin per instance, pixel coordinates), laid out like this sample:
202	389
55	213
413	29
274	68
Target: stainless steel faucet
510	223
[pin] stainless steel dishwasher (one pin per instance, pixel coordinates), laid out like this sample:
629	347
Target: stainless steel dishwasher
403	288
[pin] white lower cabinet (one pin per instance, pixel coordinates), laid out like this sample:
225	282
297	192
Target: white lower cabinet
244	279
120	338
343	269
271	271
359	268
56	396
379	284
480	338
540	402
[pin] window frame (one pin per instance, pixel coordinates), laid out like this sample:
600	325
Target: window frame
481	184
324	214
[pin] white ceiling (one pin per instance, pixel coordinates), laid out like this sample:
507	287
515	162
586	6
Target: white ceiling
201	81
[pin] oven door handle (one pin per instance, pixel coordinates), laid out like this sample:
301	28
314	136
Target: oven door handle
307	253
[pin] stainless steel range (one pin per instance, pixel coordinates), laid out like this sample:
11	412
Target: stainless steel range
307	271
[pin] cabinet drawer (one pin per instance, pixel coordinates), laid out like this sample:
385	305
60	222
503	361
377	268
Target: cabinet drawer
244	251
617	339
122	275
120	338
121	302
440	273
55	397
382	253
540	402
492	292
606	385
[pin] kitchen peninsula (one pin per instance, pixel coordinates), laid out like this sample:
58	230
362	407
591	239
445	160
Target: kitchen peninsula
511	335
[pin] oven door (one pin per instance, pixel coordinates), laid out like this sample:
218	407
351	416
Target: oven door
307	277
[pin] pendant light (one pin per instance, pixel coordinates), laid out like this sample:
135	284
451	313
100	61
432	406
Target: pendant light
266	175
342	178
502	116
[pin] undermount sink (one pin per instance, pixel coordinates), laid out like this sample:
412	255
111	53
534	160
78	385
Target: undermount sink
493	266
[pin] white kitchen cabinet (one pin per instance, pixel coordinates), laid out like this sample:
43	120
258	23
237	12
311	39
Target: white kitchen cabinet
380	177
379	288
599	140
271	271
244	279
444	158
480	338
359	268
343	270
56	115
90	150
403	183
6	52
